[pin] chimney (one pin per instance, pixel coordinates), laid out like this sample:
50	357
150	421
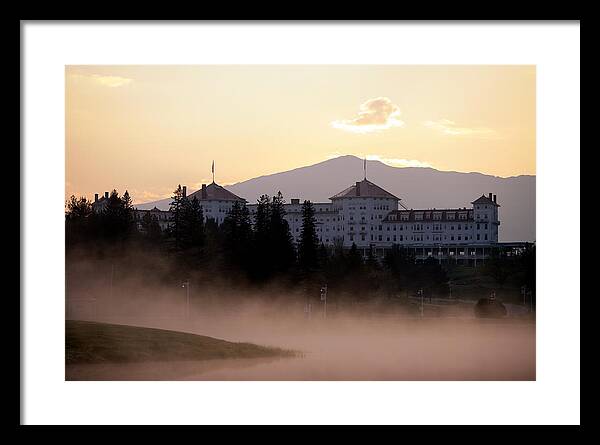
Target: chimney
184	191
96	197
203	191
490	196
358	189
494	198
106	195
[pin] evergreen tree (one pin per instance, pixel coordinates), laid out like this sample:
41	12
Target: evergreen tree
78	208
117	217
151	226
281	244
237	236
176	208
191	224
354	258
78	216
261	268
127	212
309	242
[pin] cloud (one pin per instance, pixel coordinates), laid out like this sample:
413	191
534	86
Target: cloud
107	81
393	162
143	196
449	127
374	115
396	162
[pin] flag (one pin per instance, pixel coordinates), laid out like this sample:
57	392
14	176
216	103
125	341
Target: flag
213	166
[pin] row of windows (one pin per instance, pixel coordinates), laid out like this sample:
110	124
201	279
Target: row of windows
415	227
419	237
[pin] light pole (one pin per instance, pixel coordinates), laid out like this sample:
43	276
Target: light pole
420	292
324	300
186	284
530	301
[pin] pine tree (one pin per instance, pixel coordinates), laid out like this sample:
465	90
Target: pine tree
78	208
176	211
116	218
191	224
281	241
354	258
309	242
151	226
261	267
78	216
237	236
127	210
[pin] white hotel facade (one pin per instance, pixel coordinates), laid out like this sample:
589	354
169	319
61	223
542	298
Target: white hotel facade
375	220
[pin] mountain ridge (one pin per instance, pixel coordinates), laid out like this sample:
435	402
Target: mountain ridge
419	187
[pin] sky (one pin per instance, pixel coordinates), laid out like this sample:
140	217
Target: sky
148	128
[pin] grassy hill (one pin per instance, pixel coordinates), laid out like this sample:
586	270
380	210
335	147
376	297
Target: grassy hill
91	342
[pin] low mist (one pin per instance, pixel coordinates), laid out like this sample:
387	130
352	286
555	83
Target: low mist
352	341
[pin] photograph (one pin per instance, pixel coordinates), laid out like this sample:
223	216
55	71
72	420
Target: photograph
300	222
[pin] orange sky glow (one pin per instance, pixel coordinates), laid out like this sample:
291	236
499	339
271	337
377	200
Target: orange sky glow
149	128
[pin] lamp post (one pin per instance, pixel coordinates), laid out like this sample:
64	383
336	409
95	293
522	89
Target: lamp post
324	300
186	284
420	292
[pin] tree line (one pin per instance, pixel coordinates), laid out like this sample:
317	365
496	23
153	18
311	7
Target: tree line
257	250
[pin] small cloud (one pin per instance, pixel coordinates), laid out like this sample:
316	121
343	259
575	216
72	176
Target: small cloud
393	162
143	196
374	115
449	127
198	185
396	162
107	81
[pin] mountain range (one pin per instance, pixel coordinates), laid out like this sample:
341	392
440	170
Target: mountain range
418	187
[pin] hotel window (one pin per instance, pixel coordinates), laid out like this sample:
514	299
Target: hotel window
362	237
380	237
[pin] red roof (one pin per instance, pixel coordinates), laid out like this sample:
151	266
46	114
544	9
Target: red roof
215	192
366	189
485	200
